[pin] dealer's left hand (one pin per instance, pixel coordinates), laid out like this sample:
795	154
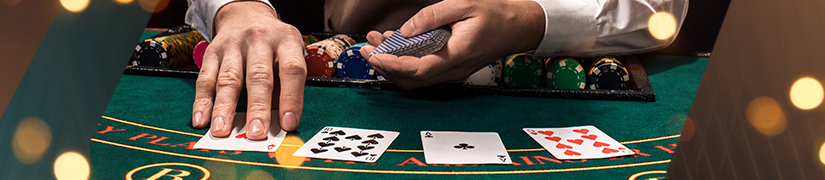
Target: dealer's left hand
482	31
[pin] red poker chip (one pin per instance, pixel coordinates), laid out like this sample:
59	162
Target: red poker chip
197	54
319	63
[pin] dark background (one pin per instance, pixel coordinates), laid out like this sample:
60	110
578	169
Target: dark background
698	34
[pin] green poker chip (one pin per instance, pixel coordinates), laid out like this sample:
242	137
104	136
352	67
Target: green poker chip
521	70
565	73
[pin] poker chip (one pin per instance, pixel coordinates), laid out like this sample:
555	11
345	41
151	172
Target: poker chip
417	46
322	55
565	73
309	39
521	70
197	54
608	73
487	76
352	65
167	51
149	53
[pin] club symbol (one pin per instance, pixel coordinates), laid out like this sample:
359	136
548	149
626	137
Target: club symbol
428	135
376	135
338	132
353	137
464	146
501	157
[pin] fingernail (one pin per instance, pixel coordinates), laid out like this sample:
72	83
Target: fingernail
256	127
408	28
198	119
218	124
375	61
290	117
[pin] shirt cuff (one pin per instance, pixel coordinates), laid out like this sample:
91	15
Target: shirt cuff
569	28
201	15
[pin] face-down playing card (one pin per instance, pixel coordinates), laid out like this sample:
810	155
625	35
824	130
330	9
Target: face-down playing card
418	46
580	142
445	147
237	140
350	144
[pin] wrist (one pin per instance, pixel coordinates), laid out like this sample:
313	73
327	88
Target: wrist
243	10
531	22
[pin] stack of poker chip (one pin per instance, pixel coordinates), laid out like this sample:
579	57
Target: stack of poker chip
167	51
309	39
197	54
321	56
487	76
565	73
608	73
417	46
354	66
521	70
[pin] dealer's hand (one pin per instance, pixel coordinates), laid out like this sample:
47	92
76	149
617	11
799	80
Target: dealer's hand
251	47
482	31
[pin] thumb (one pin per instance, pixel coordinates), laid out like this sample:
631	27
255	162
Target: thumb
434	16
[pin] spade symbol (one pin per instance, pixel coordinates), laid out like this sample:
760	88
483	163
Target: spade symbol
316	150
331	138
339	149
362	147
338	132
376	135
503	158
325	144
353	137
358	154
371	141
464	146
428	135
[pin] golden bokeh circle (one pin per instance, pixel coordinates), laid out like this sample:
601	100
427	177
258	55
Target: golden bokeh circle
221	170
71	166
688	130
765	115
662	25
259	175
806	93
822	153
153	6
31	139
123	1
288	147
75	5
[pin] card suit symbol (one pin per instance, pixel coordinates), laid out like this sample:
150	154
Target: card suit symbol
464	146
548	133
533	132
555	138
575	141
582	131
571	153
590	137
503	158
316	150
241	136
325	144
362	147
428	135
270	146
368	142
353	137
563	146
608	150
331	138
358	154
338	132
376	135
339	149
600	144
373	154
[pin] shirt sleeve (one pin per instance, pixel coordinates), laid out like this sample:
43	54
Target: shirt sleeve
201	15
589	28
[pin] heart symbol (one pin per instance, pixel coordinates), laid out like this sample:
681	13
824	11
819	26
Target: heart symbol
590	137
600	144
241	136
608	150
582	131
557	139
533	132
339	149
548	133
270	146
571	153
563	146
362	147
575	141
316	150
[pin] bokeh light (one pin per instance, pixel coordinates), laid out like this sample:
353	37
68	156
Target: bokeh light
75	5
10	2
259	175
806	93
221	170
688	131
31	138
71	166
153	6
284	153
766	116
662	25
123	1
822	153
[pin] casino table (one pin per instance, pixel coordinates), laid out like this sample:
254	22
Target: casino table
146	133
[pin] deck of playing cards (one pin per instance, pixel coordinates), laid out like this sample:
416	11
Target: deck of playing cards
417	46
237	140
349	144
580	142
443	147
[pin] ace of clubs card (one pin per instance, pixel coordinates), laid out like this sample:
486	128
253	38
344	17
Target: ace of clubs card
445	147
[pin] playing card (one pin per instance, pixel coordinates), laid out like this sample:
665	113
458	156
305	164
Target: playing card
443	147
580	142
418	46
349	144
237	140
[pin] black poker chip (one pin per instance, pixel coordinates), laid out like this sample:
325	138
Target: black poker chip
609	74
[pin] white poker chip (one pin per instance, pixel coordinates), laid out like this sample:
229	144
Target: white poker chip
489	75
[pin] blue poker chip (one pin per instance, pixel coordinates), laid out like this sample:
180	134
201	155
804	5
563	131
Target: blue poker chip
358	45
352	65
